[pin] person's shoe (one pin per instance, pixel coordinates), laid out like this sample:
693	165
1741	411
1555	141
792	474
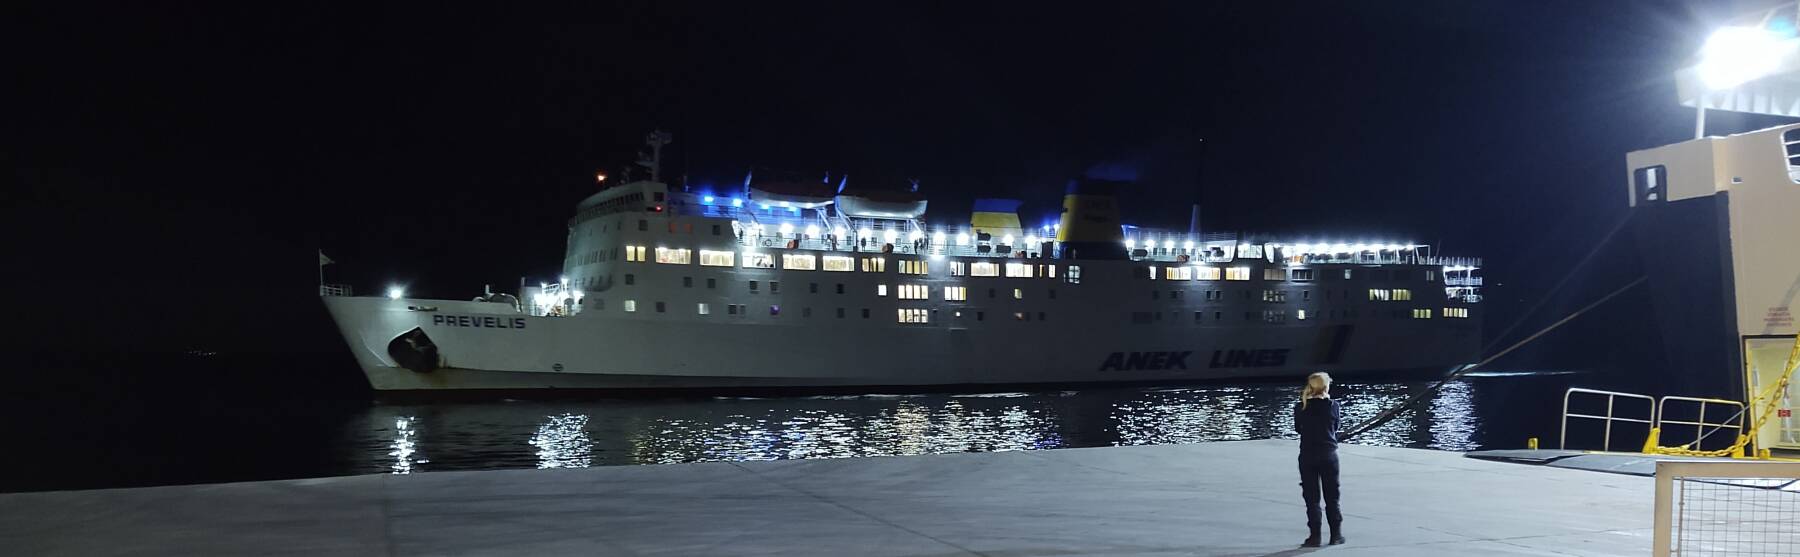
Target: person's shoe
1337	539
1311	541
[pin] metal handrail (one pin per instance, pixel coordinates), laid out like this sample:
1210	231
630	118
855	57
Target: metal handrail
1611	396
1700	424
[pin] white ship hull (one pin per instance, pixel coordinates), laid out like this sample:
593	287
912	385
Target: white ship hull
486	346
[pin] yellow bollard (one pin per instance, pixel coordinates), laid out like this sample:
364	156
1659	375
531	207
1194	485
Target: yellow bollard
1531	443
1650	443
1737	449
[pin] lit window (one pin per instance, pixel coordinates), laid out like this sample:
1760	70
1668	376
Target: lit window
1074	275
754	260
1275	316
1207	273
1274	273
956	293
880	290
1237	273
1380	295
630	306
913	267
1178	273
675	256
1421	314
1047	271
914	315
1018	294
1346	274
1402	294
1303	274
839	263
702	309
634	253
717	258
1456	312
799	261
914	292
1018	270
1300	314
1274	296
984	269
959	269
1430	275
874	264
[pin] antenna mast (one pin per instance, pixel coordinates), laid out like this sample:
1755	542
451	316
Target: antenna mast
656	140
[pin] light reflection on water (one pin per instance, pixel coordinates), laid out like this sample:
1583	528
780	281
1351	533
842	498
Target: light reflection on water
561	434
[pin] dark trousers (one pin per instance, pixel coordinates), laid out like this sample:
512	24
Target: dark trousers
1319	473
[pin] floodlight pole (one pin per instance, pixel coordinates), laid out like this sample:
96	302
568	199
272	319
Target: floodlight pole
1700	117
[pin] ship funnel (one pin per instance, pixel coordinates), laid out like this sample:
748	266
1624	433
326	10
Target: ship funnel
1090	221
997	219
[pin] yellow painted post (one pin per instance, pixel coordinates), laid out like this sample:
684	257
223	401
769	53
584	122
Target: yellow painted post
1737	449
1650	442
1531	443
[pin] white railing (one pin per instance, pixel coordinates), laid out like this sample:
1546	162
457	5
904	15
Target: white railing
1726	507
1609	418
1462	281
1736	421
341	290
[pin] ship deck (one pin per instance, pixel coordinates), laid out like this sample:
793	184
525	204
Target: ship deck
1227	498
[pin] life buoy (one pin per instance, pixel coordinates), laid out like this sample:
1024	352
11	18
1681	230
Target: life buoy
767	242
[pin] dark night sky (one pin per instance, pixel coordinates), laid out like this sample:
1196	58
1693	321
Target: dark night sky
179	165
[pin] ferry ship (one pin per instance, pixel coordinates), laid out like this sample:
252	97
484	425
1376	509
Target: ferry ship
810	284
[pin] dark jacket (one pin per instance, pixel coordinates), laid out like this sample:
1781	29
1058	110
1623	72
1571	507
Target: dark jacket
1318	425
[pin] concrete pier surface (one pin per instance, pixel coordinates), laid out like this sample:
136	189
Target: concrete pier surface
1227	498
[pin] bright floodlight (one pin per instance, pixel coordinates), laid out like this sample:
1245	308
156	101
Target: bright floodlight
1733	56
937	237
962	238
1188	245
395	292
915	236
786	228
1007	239
812	230
891	236
1130	243
1168	244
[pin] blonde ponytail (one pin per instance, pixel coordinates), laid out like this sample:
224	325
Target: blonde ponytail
1316	384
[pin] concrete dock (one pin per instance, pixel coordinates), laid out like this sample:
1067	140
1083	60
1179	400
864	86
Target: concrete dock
1229	498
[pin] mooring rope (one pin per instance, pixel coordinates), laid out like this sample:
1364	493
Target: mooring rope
1388	415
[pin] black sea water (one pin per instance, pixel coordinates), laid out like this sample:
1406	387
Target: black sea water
140	431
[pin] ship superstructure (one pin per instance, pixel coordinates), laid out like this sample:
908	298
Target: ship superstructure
812	283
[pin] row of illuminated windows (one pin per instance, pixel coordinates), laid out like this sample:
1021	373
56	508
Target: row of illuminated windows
904	315
1188	272
1389	294
1281	316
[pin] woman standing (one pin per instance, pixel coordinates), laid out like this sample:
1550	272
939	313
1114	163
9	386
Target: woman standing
1316	419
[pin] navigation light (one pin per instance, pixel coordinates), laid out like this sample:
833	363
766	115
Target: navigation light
395	292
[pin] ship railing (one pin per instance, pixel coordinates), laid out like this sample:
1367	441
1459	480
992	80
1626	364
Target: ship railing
338	290
1462	281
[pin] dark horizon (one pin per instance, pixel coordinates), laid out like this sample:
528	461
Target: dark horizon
180	165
